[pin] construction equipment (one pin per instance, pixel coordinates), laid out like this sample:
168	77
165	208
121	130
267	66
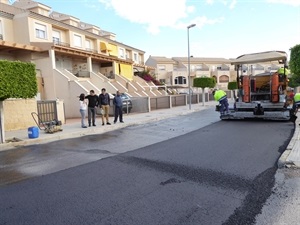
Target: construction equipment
49	126
261	95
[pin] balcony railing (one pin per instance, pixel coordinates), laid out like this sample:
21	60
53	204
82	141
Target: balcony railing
91	50
59	43
77	73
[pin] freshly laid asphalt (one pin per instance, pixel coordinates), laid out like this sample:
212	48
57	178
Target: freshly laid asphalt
281	208
72	129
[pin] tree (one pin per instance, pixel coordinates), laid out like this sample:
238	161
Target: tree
294	66
232	86
18	80
204	82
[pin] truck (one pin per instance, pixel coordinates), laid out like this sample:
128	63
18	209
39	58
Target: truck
262	95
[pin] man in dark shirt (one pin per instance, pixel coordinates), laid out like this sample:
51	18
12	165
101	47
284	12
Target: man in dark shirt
92	106
118	103
104	102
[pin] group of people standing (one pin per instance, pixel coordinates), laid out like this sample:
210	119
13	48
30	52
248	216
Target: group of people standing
90	103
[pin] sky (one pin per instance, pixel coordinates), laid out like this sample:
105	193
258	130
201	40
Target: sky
224	28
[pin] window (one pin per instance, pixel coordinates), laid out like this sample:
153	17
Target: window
162	81
180	80
122	53
223	79
199	67
135	57
40	31
127	55
161	67
1	34
88	44
56	36
77	41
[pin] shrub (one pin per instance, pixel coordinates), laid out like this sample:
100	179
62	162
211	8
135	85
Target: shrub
18	80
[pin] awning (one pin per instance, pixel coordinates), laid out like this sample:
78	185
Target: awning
126	70
104	46
260	57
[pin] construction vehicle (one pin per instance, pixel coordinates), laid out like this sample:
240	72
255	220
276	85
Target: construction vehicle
261	95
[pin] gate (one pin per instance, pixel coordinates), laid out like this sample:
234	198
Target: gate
47	110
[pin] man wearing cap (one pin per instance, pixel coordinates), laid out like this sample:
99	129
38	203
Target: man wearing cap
221	97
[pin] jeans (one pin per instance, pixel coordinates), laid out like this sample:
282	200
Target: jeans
224	105
91	115
83	114
118	113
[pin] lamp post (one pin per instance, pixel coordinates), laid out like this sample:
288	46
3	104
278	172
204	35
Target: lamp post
189	71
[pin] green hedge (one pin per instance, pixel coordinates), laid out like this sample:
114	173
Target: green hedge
232	85
18	80
204	82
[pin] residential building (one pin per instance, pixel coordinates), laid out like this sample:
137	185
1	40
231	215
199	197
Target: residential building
71	56
173	72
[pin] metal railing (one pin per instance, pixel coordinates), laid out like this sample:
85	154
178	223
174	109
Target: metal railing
47	111
59	43
91	50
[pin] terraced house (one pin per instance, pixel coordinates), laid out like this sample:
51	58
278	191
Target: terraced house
173	72
71	56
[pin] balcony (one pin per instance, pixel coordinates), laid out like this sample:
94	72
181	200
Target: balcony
59	43
91	50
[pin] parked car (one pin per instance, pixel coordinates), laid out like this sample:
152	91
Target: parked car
127	103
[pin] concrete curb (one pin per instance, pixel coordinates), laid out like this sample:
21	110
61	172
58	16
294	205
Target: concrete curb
286	160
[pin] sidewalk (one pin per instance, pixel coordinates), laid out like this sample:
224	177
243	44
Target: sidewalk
72	127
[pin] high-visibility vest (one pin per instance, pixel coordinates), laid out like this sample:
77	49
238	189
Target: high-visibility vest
219	95
283	71
297	97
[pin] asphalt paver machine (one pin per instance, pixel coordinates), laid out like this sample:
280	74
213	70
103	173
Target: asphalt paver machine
261	95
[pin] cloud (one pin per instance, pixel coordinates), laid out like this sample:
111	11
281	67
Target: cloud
209	2
156	14
287	2
232	4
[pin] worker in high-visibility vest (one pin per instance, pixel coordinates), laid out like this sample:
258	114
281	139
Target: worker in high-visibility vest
221	97
296	102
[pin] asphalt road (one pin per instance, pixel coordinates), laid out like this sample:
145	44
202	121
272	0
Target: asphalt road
184	170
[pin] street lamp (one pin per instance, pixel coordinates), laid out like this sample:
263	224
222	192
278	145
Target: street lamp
189	71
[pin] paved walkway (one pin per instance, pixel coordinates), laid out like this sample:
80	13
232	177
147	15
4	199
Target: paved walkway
72	129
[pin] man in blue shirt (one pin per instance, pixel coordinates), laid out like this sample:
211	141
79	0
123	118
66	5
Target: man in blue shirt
118	103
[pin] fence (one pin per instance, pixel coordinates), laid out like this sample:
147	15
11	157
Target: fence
47	111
